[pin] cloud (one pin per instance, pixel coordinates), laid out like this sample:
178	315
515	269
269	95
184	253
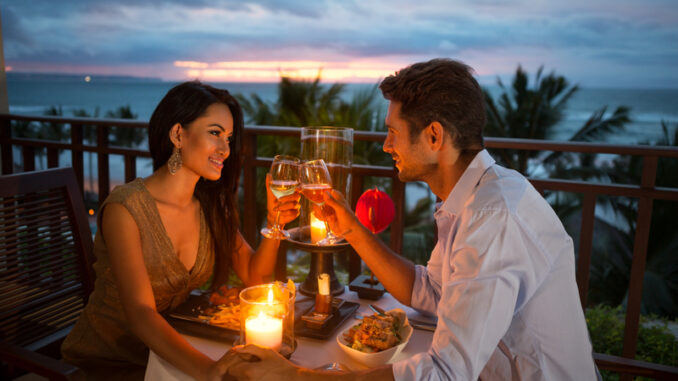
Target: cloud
610	34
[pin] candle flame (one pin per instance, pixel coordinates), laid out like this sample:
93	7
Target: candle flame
316	222
270	296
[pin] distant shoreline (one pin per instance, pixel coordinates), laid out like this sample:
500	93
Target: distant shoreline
485	82
70	77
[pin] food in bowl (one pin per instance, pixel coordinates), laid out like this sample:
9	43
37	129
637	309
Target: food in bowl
375	333
383	356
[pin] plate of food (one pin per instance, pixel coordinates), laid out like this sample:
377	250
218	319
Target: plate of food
216	315
377	339
209	314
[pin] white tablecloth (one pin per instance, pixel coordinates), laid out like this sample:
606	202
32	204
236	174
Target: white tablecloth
310	353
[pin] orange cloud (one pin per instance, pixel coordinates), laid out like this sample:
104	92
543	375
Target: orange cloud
271	71
191	64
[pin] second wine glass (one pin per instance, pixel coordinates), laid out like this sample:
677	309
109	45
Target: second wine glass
284	181
315	179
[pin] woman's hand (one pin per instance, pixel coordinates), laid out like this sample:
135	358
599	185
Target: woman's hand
218	371
288	205
252	362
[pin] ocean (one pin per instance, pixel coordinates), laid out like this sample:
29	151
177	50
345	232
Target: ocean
32	93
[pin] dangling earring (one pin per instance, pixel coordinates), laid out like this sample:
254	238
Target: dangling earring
174	162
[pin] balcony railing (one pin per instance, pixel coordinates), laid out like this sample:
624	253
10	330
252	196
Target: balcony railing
646	192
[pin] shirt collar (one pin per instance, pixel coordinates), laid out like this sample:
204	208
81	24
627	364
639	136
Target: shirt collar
467	182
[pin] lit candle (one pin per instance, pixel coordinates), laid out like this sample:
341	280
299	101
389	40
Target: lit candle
323	299
324	284
264	330
318	230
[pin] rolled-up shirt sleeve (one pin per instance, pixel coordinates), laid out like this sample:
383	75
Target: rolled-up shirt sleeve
476	302
425	291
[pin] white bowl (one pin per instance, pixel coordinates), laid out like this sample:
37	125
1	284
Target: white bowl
379	358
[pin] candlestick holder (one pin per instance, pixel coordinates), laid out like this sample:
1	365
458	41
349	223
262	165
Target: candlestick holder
322	260
367	287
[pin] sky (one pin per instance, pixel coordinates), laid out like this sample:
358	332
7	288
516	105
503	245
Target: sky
596	43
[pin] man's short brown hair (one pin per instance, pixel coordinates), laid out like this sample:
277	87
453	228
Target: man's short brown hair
441	90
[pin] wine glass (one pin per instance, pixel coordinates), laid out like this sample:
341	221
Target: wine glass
315	180
284	181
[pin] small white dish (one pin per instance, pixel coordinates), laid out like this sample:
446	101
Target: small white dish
386	356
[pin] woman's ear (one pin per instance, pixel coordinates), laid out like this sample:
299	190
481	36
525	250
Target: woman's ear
175	135
435	135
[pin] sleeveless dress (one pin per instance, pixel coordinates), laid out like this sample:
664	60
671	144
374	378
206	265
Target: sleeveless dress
101	342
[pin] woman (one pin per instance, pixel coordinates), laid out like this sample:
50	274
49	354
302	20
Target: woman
160	237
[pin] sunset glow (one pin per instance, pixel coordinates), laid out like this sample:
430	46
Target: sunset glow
271	71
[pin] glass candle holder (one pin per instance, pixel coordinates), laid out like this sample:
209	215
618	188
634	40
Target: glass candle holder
267	317
334	145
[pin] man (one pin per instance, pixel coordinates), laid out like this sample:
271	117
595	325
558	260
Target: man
501	277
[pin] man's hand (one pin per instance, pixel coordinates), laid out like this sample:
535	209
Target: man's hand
288	205
337	213
252	362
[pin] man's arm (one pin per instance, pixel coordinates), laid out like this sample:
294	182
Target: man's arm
394	271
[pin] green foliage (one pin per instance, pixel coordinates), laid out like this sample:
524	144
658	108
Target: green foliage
123	136
660	285
656	343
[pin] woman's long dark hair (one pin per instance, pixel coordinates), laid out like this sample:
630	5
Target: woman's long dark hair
183	104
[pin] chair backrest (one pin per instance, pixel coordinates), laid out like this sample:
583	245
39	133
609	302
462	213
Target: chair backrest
46	257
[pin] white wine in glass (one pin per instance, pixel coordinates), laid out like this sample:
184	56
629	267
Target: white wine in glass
284	181
315	181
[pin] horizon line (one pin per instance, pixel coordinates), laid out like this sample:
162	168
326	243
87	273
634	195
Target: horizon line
165	80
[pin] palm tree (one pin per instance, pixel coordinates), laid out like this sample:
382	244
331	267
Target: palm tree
125	137
118	136
534	112
660	284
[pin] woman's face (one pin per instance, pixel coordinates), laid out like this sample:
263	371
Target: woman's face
204	143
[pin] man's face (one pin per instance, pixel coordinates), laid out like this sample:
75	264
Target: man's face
411	157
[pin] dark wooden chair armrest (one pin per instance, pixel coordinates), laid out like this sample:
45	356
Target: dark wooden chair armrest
635	367
37	363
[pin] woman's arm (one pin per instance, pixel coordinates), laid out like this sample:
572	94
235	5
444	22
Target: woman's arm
257	267
123	241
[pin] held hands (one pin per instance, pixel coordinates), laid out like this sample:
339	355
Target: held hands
252	362
288	205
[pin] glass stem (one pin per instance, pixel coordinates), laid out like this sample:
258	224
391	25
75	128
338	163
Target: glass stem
276	225
329	231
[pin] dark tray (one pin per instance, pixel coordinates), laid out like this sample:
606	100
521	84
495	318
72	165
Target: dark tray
345	310
181	318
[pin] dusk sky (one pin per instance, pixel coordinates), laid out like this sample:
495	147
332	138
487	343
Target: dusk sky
607	43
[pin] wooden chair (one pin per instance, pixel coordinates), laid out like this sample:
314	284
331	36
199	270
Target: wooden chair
46	274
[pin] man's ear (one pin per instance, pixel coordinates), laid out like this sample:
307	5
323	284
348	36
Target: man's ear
435	135
175	135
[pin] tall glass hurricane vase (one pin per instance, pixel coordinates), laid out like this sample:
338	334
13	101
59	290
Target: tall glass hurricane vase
334	145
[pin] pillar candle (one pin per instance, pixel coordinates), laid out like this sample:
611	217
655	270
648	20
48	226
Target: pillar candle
324	284
318	230
323	299
264	330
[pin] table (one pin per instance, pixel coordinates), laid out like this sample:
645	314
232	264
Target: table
310	353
